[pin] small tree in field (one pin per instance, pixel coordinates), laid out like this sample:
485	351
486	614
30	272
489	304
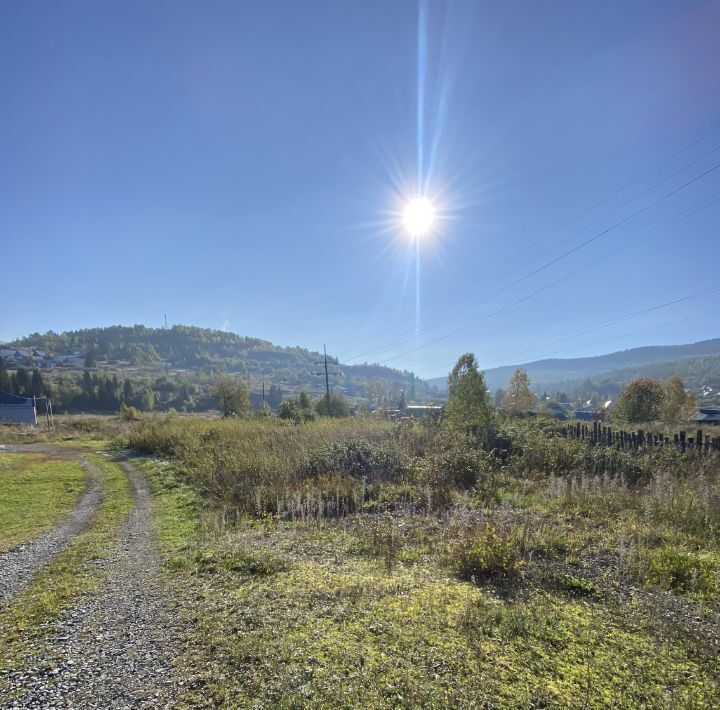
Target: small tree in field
518	398
677	404
299	410
232	396
468	397
641	401
334	406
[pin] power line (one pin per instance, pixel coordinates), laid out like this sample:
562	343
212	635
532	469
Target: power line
562	256
412	333
603	324
593	171
619	337
614	157
636	332
594	326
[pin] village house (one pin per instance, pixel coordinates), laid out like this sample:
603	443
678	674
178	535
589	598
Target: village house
18	410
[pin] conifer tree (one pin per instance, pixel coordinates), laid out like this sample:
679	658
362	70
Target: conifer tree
5	384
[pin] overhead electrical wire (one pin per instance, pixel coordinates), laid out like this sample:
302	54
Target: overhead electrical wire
593	171
411	334
619	154
626	335
583	330
562	256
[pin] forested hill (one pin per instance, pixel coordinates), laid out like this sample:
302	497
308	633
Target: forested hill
188	349
181	347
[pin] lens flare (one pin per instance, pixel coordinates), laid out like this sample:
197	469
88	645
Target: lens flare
419	217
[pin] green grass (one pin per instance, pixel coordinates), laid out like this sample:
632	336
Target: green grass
366	611
70	574
34	492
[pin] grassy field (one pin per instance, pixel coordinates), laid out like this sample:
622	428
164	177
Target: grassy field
34	491
361	562
68	575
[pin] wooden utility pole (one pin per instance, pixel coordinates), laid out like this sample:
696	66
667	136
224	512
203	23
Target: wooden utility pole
324	362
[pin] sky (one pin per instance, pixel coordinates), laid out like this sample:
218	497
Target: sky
244	166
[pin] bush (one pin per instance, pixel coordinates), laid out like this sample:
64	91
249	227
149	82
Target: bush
681	570
486	557
579	587
129	414
357	458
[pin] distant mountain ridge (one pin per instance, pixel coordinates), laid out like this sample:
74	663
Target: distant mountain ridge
550	373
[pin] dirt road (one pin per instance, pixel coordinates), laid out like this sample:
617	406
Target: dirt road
115	647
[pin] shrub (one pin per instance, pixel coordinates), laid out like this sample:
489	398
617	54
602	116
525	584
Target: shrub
487	556
356	457
129	414
681	570
579	587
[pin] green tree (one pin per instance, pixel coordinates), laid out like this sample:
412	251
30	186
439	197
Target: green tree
232	396
468	396
37	387
22	382
299	410
374	391
147	401
304	401
274	396
88	386
641	401
128	395
334	406
90	357
518	398
4	376
677	403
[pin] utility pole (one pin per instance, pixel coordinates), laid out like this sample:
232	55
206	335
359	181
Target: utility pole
263	391
324	362
166	321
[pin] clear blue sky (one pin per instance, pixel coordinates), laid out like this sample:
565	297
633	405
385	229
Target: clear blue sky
237	165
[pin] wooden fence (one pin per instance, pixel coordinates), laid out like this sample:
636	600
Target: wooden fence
598	434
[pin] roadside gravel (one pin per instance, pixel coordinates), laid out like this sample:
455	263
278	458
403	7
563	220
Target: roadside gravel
18	565
115	649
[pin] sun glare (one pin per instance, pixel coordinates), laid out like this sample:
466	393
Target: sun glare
419	217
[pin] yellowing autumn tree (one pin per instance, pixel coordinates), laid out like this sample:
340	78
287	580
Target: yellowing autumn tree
677	404
518	398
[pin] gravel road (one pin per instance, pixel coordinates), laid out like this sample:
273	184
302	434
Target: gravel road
115	649
18	565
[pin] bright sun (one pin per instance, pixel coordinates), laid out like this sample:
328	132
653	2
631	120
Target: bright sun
419	217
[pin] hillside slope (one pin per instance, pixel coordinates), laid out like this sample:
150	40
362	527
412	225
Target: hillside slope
190	351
